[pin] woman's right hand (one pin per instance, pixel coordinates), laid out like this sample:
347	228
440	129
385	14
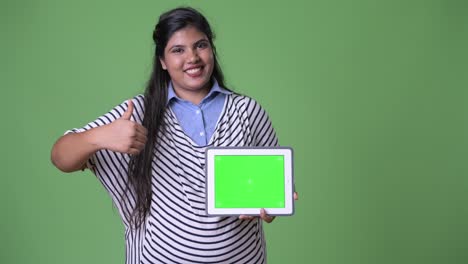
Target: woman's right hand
123	135
71	151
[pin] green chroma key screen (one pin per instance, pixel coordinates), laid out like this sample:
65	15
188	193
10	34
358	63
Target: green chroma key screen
249	181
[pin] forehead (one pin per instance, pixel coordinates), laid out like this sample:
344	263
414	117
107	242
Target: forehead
186	36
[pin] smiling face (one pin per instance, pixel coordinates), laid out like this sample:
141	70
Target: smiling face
189	60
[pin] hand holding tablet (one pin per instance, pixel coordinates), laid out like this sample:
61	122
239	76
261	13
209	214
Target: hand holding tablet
242	181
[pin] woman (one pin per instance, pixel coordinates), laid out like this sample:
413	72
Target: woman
149	152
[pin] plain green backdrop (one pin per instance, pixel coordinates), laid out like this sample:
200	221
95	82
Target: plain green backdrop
372	95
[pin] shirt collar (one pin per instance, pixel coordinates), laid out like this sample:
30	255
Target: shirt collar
171	95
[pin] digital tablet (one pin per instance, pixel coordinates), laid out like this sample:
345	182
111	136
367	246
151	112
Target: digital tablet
244	180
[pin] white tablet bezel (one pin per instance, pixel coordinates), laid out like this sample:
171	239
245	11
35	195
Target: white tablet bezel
288	180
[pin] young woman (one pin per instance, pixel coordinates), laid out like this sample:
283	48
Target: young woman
149	152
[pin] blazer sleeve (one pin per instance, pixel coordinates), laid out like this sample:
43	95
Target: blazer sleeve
263	132
99	159
111	168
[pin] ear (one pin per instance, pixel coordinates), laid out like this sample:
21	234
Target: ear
163	63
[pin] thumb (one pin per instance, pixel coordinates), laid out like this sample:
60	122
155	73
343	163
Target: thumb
128	114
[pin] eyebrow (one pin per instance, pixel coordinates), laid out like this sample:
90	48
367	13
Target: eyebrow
194	44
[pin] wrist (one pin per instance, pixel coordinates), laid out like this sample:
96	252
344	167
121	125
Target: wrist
94	139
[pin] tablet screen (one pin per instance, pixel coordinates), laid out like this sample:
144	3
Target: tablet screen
250	181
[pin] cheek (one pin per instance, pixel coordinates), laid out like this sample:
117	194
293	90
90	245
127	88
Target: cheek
211	58
209	61
207	56
173	63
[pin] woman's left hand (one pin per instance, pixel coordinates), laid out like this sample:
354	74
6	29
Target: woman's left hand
263	214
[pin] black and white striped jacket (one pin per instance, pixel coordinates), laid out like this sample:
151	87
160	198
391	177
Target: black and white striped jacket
177	229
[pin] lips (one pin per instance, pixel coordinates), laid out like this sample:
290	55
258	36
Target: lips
194	71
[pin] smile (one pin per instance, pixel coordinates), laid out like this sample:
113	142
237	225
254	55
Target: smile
195	72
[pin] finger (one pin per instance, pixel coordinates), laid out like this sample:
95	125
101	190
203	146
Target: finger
246	217
139	134
133	151
128	113
137	145
265	216
141	139
296	196
142	129
137	131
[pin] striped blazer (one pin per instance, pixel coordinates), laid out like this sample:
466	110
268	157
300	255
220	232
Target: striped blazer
177	229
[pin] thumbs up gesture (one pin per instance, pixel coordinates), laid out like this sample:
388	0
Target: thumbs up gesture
124	135
128	114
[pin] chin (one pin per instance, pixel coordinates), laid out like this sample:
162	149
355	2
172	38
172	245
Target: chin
199	84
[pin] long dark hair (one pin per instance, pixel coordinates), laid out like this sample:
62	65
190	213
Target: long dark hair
139	169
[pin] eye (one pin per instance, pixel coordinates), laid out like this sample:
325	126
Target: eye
203	45
177	50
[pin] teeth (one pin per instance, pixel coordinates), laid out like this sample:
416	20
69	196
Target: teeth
194	70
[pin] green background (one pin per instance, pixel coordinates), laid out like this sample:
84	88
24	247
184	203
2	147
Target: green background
249	181
372	96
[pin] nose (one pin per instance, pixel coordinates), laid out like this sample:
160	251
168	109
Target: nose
193	56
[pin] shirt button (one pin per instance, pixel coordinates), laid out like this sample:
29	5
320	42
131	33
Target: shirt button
198	112
201	133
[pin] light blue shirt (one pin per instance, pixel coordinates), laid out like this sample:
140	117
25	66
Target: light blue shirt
198	121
